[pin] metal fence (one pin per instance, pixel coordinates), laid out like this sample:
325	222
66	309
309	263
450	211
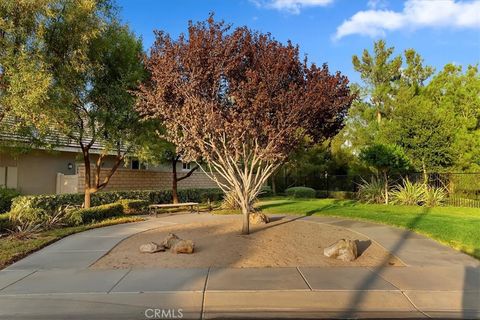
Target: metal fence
463	189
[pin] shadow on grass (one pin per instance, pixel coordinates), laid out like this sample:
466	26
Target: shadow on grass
335	205
275	204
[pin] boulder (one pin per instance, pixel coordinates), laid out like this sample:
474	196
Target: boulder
183	246
170	240
151	247
178	245
344	249
258	218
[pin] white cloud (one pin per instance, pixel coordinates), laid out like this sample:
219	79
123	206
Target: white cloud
292	6
415	14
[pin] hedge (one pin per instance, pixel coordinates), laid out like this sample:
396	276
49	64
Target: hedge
50	203
97	213
340	195
5	223
6	197
300	192
133	206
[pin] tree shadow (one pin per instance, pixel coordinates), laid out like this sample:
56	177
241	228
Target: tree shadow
368	282
335	205
471	293
274	204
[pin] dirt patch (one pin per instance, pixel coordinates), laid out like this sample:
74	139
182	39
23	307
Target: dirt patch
285	242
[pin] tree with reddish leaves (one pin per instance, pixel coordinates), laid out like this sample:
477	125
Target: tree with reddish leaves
239	101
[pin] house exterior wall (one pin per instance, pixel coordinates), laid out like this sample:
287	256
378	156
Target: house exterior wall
127	179
37	170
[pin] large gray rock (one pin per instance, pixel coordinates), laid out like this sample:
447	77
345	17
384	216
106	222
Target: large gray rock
344	249
151	247
258	218
178	245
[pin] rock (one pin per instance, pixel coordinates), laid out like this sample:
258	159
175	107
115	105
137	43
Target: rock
170	240
345	250
183	246
178	245
258	218
151	247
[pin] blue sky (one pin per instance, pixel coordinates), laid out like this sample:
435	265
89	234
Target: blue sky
330	31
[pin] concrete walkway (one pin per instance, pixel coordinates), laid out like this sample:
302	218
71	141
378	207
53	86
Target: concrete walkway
55	282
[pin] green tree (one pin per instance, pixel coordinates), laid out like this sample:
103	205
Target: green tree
95	63
457	91
379	71
385	159
24	76
425	131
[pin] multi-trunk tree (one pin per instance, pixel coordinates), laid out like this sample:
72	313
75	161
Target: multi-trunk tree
240	101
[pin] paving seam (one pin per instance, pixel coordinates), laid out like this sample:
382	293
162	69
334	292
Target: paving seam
120	241
116	284
304	278
8	285
360	233
403	293
202	308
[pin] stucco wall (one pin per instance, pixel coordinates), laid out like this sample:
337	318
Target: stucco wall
127	179
37	171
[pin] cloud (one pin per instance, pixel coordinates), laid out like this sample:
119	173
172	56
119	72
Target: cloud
415	14
291	6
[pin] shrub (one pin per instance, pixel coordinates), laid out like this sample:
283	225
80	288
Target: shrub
265	191
342	195
300	192
50	203
133	206
5	223
408	193
6	197
98	213
372	191
434	197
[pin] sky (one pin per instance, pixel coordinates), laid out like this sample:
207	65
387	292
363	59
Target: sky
330	31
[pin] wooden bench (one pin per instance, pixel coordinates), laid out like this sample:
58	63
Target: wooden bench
153	207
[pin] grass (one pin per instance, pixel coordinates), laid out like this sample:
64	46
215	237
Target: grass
456	227
13	249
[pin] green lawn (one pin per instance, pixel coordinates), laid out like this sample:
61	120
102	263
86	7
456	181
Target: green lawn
13	249
453	226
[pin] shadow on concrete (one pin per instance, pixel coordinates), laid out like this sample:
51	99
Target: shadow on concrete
367	283
471	299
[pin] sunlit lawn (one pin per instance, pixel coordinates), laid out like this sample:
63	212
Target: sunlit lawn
454	226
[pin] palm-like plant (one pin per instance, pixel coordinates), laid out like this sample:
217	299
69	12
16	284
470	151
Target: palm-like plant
372	191
408	193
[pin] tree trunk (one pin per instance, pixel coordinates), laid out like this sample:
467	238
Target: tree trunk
174	180
425	175
87	199
88	181
246	221
385	177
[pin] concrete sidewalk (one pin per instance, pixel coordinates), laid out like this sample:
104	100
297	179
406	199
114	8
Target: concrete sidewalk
55	283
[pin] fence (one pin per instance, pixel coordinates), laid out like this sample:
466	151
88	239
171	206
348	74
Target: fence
463	189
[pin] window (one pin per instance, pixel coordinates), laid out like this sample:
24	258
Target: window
137	165
186	166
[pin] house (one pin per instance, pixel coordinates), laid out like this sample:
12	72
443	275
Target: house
60	170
